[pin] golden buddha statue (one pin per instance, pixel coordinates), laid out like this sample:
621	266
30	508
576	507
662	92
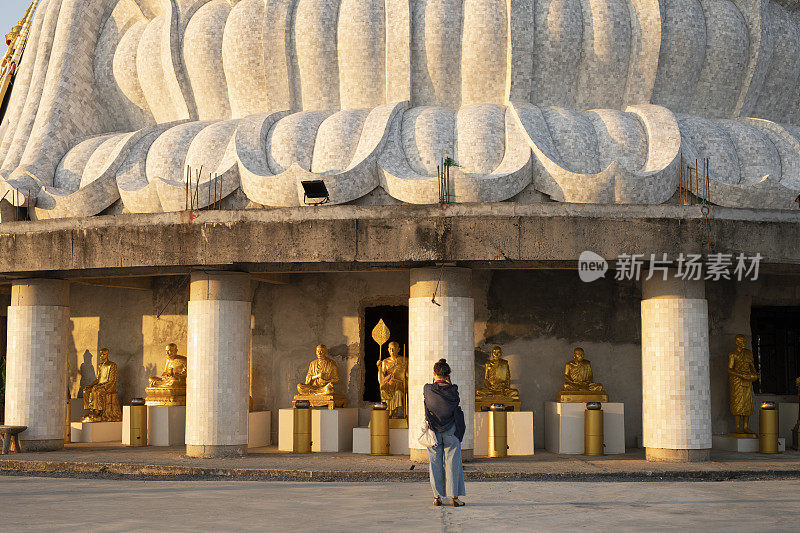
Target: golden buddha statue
100	396
318	388
741	375
578	382
170	388
393	379
496	384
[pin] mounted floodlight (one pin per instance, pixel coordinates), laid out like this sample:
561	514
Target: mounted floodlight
315	192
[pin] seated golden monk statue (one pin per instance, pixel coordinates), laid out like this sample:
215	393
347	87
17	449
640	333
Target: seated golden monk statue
170	388
497	384
578	384
318	387
393	379
100	396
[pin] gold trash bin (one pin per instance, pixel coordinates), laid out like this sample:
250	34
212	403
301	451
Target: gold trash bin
379	429
301	436
138	427
498	430
768	428
593	429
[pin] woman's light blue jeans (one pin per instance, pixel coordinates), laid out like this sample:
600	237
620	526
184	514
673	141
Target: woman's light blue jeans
446	469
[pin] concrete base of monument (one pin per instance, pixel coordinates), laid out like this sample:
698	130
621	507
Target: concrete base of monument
166	425
742	445
126	426
666	455
216	450
398	441
42	445
563	427
331	429
258	429
519	428
96	431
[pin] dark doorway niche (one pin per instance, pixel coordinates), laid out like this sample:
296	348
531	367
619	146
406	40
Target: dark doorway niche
776	348
396	319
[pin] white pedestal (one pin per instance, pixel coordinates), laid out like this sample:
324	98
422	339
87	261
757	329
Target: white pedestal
520	433
96	431
331	429
258	429
166	425
398	441
126	425
735	444
563	427
787	418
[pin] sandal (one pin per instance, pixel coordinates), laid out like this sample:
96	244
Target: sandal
458	503
437	501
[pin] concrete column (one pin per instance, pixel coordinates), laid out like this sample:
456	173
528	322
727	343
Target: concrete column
36	362
445	329
676	397
217	392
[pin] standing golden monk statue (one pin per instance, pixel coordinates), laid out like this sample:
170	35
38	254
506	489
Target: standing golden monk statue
741	375
578	382
170	388
393	379
318	387
100	396
496	384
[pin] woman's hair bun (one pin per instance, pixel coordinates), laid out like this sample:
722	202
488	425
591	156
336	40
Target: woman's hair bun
442	360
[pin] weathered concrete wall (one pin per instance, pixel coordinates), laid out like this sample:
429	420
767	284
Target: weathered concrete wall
537	316
352	237
124	321
729	305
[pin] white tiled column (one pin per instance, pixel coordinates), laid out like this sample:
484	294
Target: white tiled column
445	329
217	391
676	397
36	362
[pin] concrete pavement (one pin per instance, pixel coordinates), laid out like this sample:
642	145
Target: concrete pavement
40	504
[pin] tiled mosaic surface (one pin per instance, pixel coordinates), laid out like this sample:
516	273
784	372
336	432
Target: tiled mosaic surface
676	398
36	369
441	331
217	393
622	87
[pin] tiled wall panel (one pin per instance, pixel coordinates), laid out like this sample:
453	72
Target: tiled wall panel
36	370
676	400
441	331
217	374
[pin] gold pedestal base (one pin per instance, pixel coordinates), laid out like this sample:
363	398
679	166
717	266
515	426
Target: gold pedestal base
159	396
581	397
484	405
323	401
743	435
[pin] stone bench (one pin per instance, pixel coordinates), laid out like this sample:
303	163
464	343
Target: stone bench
10	435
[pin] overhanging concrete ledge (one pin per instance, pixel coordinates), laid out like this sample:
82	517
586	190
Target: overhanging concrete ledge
500	235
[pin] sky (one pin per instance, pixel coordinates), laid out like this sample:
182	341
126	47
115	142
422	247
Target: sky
10	13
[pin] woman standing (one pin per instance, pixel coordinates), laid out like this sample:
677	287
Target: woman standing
446	420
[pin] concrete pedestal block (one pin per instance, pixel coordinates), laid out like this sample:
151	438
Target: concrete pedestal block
563	427
398	441
520	433
735	444
126	425
331	429
258	429
96	432
166	425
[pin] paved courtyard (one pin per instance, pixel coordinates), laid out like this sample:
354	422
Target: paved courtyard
43	504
